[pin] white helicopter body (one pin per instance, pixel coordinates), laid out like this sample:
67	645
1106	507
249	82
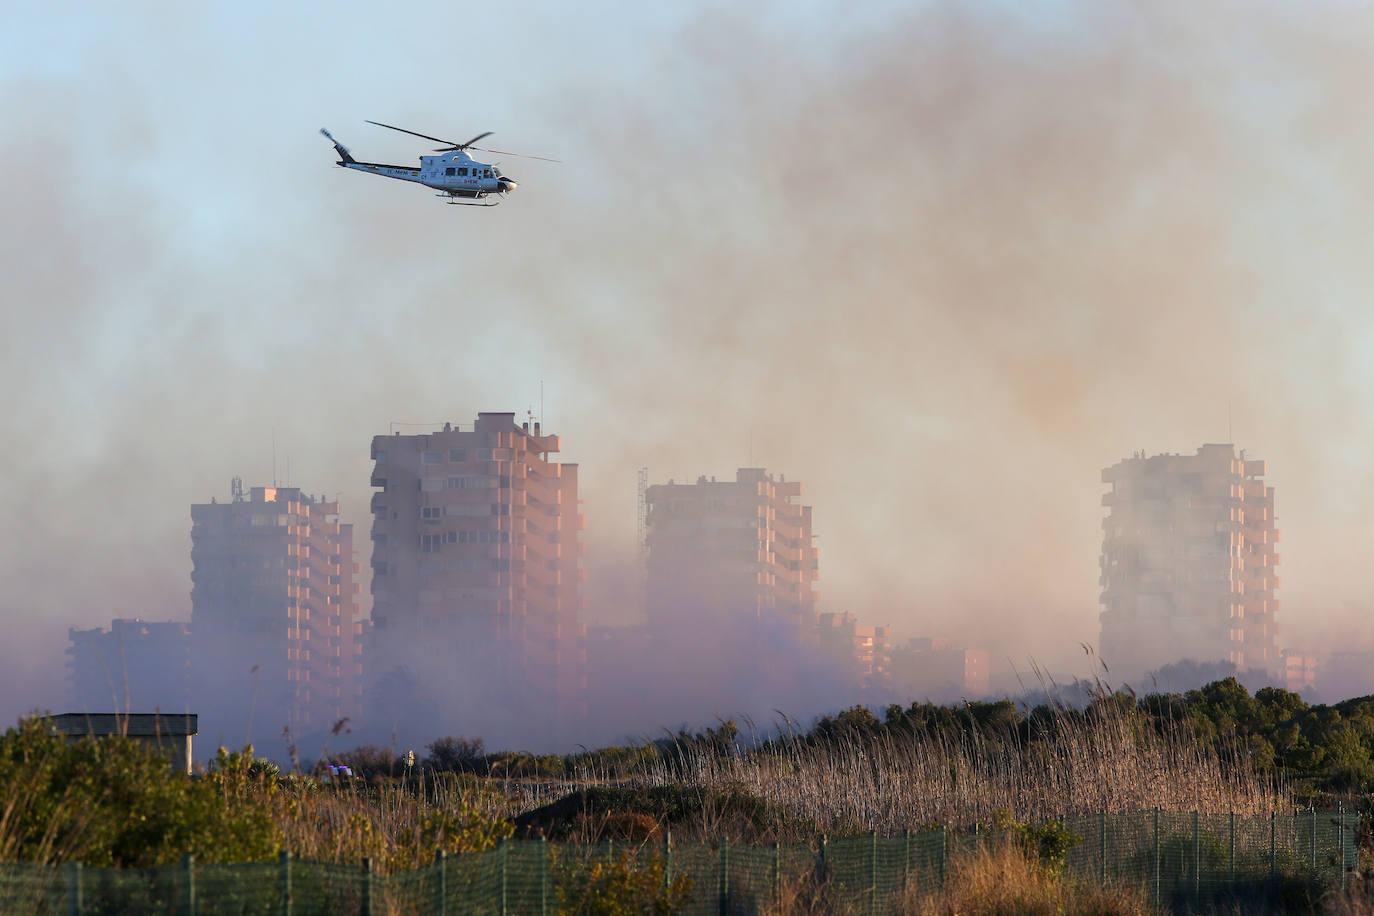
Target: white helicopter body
453	173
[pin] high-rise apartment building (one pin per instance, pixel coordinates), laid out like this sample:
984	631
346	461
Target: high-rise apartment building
273	614
742	548
476	570
1188	562
136	665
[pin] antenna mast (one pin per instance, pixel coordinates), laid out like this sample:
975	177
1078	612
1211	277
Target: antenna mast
642	510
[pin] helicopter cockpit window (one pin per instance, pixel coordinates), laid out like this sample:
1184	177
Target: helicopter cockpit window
487	173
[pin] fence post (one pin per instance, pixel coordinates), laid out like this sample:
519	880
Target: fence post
1273	845
667	858
1102	847
441	865
1197	861
75	903
1273	842
367	886
502	849
822	865
1231	871
775	878
1340	838
724	901
944	851
188	862
543	875
906	858
1314	841
288	904
1156	895
873	872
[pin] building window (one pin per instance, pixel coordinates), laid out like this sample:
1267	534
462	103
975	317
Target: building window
433	457
431	513
430	543
469	482
483	537
457	454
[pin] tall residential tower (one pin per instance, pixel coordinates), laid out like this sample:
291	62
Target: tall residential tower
741	547
273	614
1188	562
476	573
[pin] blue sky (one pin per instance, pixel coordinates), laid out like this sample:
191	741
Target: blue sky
942	262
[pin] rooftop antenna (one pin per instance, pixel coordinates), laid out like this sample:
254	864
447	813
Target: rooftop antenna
642	510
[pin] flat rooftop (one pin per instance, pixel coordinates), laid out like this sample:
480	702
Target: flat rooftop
134	725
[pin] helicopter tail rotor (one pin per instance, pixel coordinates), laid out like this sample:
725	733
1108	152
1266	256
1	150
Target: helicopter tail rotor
342	150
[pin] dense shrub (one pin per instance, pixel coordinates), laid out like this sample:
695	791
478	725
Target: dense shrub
630	884
115	802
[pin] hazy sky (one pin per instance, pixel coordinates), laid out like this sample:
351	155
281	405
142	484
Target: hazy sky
942	262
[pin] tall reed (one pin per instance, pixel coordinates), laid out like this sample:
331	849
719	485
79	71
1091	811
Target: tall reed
1113	759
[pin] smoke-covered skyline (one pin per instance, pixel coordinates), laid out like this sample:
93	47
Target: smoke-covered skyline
941	262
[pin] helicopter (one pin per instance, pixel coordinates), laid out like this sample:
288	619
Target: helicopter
453	173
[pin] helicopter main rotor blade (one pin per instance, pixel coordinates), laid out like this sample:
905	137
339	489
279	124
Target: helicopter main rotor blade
502	152
412	133
462	146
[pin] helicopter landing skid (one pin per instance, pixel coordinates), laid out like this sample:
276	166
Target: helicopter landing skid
468	203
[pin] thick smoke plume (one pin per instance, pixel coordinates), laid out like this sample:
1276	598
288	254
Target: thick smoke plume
941	264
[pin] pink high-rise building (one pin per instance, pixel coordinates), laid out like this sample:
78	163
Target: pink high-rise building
742	548
476	573
273	615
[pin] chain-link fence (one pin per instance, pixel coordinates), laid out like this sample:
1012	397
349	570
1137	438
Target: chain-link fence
1183	861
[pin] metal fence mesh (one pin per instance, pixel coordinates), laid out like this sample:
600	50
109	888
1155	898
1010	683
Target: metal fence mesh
1183	861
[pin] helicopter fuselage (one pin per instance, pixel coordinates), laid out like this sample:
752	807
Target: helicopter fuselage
454	173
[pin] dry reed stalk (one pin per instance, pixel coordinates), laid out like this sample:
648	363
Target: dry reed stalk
1109	761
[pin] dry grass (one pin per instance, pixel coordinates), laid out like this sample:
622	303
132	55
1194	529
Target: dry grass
1109	762
398	828
1005	881
1356	899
